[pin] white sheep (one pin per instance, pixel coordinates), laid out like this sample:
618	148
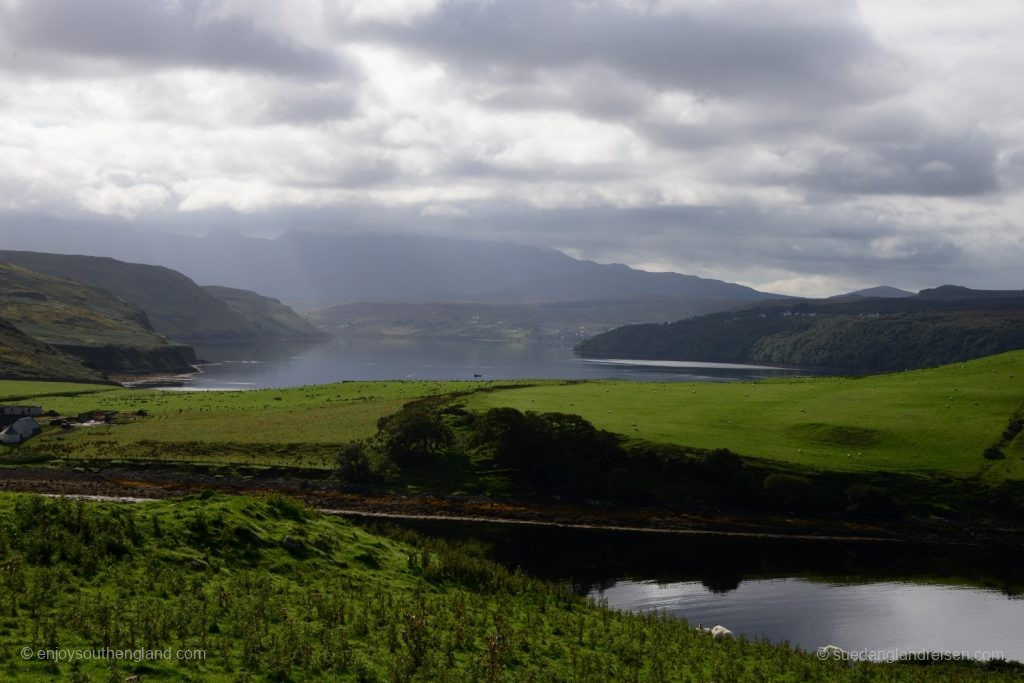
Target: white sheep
720	632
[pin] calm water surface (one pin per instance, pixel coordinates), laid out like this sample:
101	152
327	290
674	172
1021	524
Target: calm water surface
282	365
856	596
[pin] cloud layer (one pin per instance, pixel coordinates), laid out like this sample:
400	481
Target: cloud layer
802	146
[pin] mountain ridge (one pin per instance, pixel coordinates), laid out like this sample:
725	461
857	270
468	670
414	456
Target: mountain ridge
859	335
329	268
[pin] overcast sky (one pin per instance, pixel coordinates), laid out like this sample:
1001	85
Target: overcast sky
798	146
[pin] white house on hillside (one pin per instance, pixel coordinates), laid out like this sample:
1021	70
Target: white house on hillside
23	429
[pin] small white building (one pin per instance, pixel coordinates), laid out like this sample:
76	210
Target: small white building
24	428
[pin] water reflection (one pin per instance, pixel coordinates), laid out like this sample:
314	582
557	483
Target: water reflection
855	595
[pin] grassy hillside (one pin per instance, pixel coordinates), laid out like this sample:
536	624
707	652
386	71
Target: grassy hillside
22	356
928	421
268	589
935	327
268	317
89	323
175	305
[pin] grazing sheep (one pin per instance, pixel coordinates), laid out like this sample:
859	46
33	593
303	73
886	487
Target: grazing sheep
720	632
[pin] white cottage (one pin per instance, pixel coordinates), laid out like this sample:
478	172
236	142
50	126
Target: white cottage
26	426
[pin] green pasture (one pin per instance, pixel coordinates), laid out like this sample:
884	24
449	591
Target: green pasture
927	421
297	426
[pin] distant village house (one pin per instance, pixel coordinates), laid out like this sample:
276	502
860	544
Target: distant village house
19	423
24	428
22	411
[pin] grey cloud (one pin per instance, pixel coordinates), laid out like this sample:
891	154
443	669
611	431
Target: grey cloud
942	166
1011	169
764	52
310	104
721	240
155	34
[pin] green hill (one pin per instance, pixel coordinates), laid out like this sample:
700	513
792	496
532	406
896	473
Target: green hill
944	325
268	317
92	324
22	357
176	306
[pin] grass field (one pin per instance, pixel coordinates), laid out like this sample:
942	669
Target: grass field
299	426
926	421
929	421
14	391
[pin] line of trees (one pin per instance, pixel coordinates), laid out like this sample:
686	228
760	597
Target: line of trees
565	456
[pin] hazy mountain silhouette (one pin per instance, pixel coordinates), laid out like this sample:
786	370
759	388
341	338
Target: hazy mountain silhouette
331	268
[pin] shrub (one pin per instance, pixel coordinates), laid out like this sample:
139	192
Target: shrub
413	436
1013	428
353	464
993	453
789	491
871	501
721	465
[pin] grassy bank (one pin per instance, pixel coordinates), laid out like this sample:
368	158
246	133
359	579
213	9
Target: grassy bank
270	590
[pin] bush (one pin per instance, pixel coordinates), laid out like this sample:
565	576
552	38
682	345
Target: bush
557	453
789	491
871	501
1013	428
993	453
720	465
353	464
413	436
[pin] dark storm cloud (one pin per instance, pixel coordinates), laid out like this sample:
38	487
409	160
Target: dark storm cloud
756	51
946	166
155	34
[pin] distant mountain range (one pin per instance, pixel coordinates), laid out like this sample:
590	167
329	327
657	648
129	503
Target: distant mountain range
326	269
561	323
880	292
934	327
